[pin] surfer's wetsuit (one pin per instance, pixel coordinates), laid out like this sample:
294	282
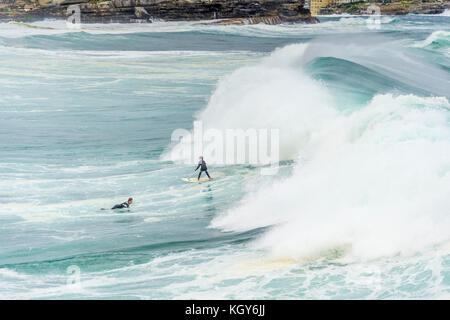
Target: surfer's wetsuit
203	167
121	206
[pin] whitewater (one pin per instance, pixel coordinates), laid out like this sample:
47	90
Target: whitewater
359	208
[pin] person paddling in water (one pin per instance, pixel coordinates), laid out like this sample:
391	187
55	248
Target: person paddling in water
203	167
123	205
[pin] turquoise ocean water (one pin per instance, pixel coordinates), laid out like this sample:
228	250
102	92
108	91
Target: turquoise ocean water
359	209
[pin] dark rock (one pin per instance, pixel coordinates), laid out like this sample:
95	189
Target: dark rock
245	11
393	7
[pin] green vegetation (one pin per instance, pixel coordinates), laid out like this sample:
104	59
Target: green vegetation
11	12
353	7
97	1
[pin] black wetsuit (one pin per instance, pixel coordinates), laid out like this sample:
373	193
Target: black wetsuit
121	206
203	167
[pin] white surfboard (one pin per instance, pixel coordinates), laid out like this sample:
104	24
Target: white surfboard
195	179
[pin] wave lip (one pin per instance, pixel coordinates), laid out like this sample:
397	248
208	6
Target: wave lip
438	38
245	99
446	13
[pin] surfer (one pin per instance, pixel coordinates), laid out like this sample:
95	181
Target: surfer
203	167
123	205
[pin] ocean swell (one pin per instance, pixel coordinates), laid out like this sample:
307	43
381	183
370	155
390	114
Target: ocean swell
370	182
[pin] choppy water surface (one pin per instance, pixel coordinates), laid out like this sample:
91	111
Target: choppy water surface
360	208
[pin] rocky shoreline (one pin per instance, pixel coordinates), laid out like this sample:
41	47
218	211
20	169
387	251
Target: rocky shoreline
125	11
224	11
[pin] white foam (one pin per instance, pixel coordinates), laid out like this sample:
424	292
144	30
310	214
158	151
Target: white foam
446	13
11	274
436	35
373	184
59	27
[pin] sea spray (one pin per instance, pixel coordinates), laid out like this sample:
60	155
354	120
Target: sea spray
375	182
274	94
